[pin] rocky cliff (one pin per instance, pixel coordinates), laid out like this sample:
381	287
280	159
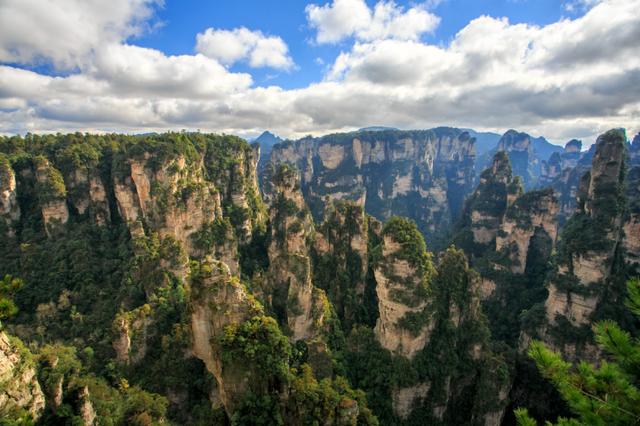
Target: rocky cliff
219	301
563	172
528	156
341	260
9	208
403	274
485	209
20	392
591	259
510	236
291	293
424	175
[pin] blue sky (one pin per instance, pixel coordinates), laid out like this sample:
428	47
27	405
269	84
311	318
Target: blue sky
562	69
180	21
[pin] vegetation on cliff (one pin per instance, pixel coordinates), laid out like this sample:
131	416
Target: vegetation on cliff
159	288
604	394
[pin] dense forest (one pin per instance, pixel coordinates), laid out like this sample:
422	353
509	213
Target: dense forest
150	280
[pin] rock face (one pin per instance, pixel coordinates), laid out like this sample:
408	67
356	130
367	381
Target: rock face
424	175
341	259
532	214
405	398
52	194
9	208
402	285
166	208
588	253
453	313
550	170
532	158
19	387
220	300
519	148
500	218
631	225
562	172
485	210
296	301
132	329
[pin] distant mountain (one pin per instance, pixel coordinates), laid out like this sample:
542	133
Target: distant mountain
485	141
525	152
266	140
543	149
376	129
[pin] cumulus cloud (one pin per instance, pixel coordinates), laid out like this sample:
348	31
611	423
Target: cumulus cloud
344	18
65	32
230	46
573	78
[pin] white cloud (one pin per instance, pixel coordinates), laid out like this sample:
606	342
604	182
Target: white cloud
231	46
344	18
573	78
65	32
137	70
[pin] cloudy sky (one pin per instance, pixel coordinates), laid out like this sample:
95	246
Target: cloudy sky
558	68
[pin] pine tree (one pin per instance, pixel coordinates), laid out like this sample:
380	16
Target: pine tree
607	394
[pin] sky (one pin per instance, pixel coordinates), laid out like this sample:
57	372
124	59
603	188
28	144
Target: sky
562	69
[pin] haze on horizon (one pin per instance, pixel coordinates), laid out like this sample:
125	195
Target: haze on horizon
561	69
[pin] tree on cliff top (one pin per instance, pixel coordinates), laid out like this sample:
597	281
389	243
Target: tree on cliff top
607	394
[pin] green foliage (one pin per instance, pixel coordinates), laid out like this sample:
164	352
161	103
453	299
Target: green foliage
215	233
340	271
119	405
259	343
8	287
51	186
606	394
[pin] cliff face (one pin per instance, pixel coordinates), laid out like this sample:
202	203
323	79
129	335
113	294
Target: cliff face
519	148
486	208
20	391
450	312
9	208
532	214
219	301
294	298
590	250
631	226
341	259
563	172
533	159
402	278
423	175
510	237
52	194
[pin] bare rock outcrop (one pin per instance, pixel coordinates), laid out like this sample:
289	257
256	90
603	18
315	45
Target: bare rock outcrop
290	288
219	300
402	278
424	175
587	255
9	208
52	194
19	387
341	258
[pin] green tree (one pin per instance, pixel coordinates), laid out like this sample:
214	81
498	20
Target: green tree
9	285
606	394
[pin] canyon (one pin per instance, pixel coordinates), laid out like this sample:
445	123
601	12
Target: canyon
375	274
